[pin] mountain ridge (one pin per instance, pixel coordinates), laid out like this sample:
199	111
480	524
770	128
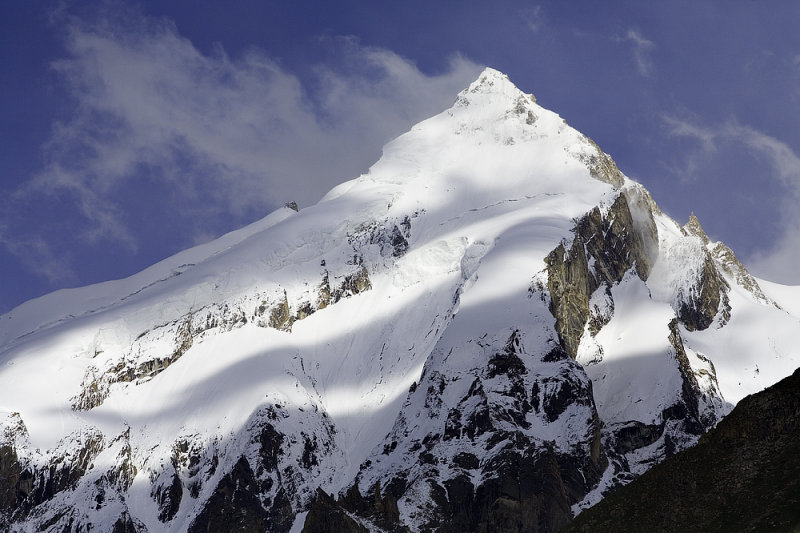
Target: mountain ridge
492	304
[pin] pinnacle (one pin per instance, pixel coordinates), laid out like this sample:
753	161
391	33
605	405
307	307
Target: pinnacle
693	227
492	81
495	88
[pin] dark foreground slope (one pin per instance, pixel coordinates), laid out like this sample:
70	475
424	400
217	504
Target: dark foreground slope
744	475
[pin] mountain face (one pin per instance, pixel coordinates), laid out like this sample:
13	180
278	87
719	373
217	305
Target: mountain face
485	332
743	475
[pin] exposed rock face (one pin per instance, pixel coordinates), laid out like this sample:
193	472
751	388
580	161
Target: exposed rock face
704	300
235	505
486	470
743	475
15	486
140	365
726	260
707	298
568	281
602	166
31	485
126	524
168	498
605	247
326	516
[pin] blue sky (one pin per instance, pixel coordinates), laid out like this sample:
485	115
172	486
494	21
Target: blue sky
131	131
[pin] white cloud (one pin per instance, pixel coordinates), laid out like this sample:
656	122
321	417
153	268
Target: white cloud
222	134
684	128
778	262
641	51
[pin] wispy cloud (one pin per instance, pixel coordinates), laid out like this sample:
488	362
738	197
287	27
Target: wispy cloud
779	261
533	18
221	134
641	48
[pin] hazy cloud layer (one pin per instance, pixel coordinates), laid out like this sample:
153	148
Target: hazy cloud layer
781	164
205	134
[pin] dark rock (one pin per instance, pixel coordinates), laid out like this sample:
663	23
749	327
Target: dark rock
602	167
169	499
391	237
310	447
126	524
280	516
304	310
325	516
398	239
525	493
615	243
635	435
478	422
352	284
507	362
452	427
707	297
63	475
11	493
95	386
466	460
556	354
569	388
280	316
380	509
568	284
690	390
234	505
743	475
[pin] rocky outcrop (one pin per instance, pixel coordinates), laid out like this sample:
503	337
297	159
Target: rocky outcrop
16	483
138	366
168	497
569	285
328	516
26	484
705	299
605	247
743	475
127	524
601	166
726	260
690	390
234	505
390	236
707	296
486	469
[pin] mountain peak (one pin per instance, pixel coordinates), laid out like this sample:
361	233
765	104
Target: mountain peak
693	227
492	304
491	78
490	85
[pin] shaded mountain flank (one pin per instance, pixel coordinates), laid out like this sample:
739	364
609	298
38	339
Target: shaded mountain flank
743	475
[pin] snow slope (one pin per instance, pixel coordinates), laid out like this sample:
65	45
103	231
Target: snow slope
323	346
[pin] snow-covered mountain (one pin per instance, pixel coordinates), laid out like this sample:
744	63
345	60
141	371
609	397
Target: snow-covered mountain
484	332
